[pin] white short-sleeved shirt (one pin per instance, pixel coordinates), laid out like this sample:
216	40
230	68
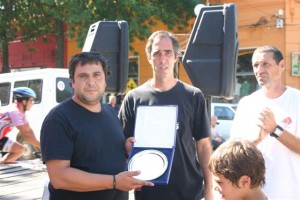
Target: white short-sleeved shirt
282	164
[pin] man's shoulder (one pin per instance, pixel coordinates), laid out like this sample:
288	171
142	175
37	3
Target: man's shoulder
294	91
256	95
186	85
189	87
62	106
140	89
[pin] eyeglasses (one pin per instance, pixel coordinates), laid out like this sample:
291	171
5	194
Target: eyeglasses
31	101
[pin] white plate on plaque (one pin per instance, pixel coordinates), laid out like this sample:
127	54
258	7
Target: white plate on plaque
151	163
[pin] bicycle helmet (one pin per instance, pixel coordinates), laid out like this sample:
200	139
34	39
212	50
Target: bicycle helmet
23	92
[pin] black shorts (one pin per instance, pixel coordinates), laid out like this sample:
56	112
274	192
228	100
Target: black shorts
3	142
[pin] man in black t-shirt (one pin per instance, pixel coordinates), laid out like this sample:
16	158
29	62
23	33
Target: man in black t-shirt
82	141
189	169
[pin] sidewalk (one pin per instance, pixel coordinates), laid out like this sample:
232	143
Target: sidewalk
25	180
22	181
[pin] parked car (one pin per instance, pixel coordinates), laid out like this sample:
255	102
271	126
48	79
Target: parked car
225	113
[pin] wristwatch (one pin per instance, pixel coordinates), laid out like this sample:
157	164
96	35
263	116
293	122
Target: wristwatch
277	132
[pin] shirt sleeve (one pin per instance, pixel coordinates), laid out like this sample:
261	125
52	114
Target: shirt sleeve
18	118
127	116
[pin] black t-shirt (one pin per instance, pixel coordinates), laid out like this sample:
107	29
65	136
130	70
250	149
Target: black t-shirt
93	142
186	179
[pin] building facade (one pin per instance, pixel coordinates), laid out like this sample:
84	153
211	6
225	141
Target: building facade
270	22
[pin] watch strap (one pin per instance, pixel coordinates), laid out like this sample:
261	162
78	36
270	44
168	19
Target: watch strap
277	132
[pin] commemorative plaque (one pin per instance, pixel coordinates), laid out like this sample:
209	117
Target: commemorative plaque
155	135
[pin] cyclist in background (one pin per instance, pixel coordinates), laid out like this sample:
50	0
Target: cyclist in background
15	117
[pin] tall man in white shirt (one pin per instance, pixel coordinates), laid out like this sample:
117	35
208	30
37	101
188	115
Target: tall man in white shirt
270	118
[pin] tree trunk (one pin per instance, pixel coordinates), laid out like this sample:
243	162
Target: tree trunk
5	64
59	59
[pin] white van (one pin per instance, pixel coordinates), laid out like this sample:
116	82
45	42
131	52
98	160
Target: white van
225	113
51	86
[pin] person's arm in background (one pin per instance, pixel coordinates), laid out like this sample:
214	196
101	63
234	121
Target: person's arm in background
28	134
204	151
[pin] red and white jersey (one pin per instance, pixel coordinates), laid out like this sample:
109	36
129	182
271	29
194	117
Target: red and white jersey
10	119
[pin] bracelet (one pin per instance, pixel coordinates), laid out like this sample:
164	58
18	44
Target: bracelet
114	182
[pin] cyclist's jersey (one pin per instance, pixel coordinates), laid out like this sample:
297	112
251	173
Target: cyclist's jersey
10	119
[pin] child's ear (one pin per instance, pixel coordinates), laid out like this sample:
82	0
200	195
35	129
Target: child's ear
245	181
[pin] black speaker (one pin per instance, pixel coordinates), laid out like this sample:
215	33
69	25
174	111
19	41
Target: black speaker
111	39
210	58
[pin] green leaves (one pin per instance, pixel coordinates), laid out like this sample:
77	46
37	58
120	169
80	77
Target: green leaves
34	18
29	19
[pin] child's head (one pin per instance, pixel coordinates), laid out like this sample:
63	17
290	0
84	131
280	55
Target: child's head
239	163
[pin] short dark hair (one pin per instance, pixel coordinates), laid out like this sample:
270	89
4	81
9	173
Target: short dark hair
234	159
162	34
277	55
20	99
87	58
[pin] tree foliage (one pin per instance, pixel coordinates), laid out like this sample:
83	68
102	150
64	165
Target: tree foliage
19	19
29	19
138	13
